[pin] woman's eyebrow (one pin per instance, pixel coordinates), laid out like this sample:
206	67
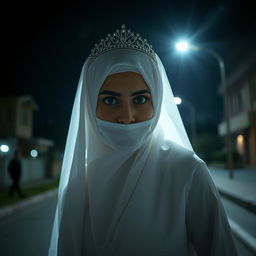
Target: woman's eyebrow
140	92
110	93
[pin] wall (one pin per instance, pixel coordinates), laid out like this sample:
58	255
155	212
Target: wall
32	169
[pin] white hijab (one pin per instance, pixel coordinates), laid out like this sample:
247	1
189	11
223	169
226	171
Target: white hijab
98	176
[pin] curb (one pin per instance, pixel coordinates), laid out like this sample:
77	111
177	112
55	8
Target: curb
248	240
243	202
9	210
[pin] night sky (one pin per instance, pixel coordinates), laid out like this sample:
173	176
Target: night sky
45	45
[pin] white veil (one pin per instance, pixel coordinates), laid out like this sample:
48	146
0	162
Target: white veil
91	170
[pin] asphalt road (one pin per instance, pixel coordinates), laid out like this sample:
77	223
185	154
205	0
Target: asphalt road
28	232
245	219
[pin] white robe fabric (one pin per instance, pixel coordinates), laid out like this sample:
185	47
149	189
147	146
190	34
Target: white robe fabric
174	209
156	200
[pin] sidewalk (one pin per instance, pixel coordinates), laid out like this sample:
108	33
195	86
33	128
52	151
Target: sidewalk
10	209
241	189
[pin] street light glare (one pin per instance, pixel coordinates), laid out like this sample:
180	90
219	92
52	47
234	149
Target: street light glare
182	46
34	153
4	148
177	100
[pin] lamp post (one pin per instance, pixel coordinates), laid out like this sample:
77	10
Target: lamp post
183	46
192	111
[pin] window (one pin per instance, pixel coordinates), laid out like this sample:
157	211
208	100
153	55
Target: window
24	117
236	102
239	101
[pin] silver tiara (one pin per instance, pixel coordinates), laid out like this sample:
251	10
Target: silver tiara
123	39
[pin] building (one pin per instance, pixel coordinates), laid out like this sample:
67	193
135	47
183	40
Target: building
16	133
241	95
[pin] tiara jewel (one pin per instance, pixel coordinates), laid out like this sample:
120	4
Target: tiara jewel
123	39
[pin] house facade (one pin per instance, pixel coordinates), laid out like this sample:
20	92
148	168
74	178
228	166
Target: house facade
241	99
16	133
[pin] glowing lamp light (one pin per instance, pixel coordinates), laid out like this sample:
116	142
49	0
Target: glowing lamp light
182	46
240	139
4	148
34	153
177	100
240	144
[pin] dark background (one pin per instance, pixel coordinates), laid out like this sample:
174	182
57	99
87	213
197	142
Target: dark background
44	45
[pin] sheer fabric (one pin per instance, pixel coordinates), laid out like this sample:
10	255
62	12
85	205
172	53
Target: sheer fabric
106	193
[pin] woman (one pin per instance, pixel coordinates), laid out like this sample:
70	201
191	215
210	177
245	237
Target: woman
131	183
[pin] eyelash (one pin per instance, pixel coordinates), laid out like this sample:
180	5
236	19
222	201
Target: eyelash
142	96
113	98
107	98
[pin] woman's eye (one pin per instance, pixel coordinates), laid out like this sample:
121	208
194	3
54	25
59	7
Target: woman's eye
140	100
110	101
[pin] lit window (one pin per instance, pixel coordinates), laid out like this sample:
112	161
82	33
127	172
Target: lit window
240	144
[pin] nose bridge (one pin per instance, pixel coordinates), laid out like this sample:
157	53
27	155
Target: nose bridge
126	114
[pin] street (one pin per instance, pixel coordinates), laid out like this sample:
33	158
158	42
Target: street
245	219
28	232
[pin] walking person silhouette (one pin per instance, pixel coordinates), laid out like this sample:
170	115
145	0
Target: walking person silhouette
15	172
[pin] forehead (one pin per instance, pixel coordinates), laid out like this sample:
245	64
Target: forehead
124	81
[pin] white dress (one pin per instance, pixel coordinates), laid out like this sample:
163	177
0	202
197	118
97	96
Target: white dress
173	208
157	198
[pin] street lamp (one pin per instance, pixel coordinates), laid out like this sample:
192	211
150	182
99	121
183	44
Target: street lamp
178	101
4	148
184	46
34	153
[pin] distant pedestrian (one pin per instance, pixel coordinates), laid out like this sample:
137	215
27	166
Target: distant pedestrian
15	172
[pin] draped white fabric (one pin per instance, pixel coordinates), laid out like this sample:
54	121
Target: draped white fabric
106	193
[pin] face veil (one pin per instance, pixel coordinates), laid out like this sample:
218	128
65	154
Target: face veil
98	179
